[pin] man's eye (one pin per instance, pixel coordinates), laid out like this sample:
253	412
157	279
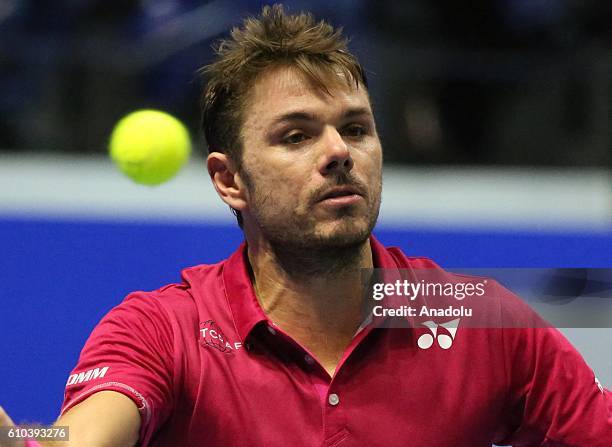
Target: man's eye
295	138
354	130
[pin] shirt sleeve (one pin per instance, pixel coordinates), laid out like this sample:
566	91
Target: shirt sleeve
555	398
130	352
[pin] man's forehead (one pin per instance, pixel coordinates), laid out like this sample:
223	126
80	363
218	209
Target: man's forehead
284	90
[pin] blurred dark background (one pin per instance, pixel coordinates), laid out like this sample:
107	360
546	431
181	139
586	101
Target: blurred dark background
486	82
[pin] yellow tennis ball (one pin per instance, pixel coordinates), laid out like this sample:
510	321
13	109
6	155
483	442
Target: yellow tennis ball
150	146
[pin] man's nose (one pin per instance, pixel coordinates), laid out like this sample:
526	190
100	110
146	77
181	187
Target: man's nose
335	154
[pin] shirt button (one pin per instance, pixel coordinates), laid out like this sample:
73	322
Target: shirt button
271	330
333	399
308	359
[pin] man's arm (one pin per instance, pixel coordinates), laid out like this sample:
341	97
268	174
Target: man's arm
106	419
122	388
129	357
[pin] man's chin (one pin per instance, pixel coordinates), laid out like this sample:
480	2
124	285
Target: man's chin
342	236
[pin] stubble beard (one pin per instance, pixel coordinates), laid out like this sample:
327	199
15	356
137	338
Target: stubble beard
297	241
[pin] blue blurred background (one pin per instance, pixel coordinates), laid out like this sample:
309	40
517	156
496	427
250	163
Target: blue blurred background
494	119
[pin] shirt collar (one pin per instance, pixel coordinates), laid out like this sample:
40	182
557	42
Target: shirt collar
240	294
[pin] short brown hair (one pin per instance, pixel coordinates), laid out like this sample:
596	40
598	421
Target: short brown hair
272	39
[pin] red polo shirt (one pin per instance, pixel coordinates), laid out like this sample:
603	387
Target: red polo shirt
206	367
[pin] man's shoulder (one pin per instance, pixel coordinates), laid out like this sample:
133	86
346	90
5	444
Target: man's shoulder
198	285
398	258
414	262
431	269
494	295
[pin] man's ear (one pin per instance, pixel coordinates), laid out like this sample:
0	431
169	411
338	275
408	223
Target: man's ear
226	180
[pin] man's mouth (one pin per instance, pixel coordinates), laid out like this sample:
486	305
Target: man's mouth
341	195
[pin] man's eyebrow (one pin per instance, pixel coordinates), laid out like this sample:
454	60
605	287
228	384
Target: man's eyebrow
294	116
357	112
307	116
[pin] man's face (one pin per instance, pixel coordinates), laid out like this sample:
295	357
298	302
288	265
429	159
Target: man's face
311	162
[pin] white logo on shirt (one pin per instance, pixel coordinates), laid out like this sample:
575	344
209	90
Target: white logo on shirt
445	341
86	376
212	336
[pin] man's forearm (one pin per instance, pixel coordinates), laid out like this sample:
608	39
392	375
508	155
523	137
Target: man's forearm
105	419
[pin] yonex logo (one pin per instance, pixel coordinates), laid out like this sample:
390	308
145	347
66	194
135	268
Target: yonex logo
86	376
445	340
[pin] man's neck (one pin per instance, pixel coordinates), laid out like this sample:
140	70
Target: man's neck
320	309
